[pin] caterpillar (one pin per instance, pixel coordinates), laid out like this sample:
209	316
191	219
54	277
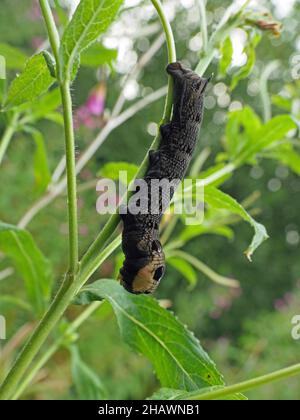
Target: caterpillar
144	264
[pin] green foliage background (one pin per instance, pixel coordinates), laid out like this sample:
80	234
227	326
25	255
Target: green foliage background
248	333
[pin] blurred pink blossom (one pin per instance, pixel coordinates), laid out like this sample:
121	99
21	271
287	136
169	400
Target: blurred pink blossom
34	12
279	305
223	302
216	314
94	107
36	42
83	230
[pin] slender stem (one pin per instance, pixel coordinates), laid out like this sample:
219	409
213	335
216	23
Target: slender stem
7	136
171	55
51	29
211	274
39	363
264	94
229	21
203	20
252	383
226	170
169	228
71	177
69	139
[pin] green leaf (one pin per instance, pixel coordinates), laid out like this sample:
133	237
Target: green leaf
191	232
97	55
42	106
274	130
112	170
31	263
213	169
282	103
177	356
87	384
14	301
285	154
220	200
184	268
226	59
90	20
61	13
14	58
42	173
245	71
203	268
168	394
32	83
55	117
241	130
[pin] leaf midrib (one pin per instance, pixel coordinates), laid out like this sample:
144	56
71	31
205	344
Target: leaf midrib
81	38
156	338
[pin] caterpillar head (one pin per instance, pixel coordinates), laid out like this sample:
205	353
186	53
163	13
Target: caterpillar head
143	275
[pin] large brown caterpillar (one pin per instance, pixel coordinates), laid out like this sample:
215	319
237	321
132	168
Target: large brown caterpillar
144	264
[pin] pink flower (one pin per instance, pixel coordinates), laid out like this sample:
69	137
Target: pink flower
36	42
35	12
279	305
96	101
83	117
216	314
223	302
83	230
94	107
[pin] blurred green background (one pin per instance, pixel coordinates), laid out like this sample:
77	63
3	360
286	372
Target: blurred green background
247	333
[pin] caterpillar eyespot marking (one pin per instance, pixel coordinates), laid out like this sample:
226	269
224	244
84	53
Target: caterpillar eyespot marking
144	264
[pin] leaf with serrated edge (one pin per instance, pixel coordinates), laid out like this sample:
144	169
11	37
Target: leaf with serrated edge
90	20
32	82
177	356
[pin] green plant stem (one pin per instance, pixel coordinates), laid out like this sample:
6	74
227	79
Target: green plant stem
252	383
222	31
69	139
7	136
264	94
71	177
39	363
51	29
171	55
200	266
169	229
203	20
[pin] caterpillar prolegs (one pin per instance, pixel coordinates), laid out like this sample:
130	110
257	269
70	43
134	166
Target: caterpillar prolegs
144	264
